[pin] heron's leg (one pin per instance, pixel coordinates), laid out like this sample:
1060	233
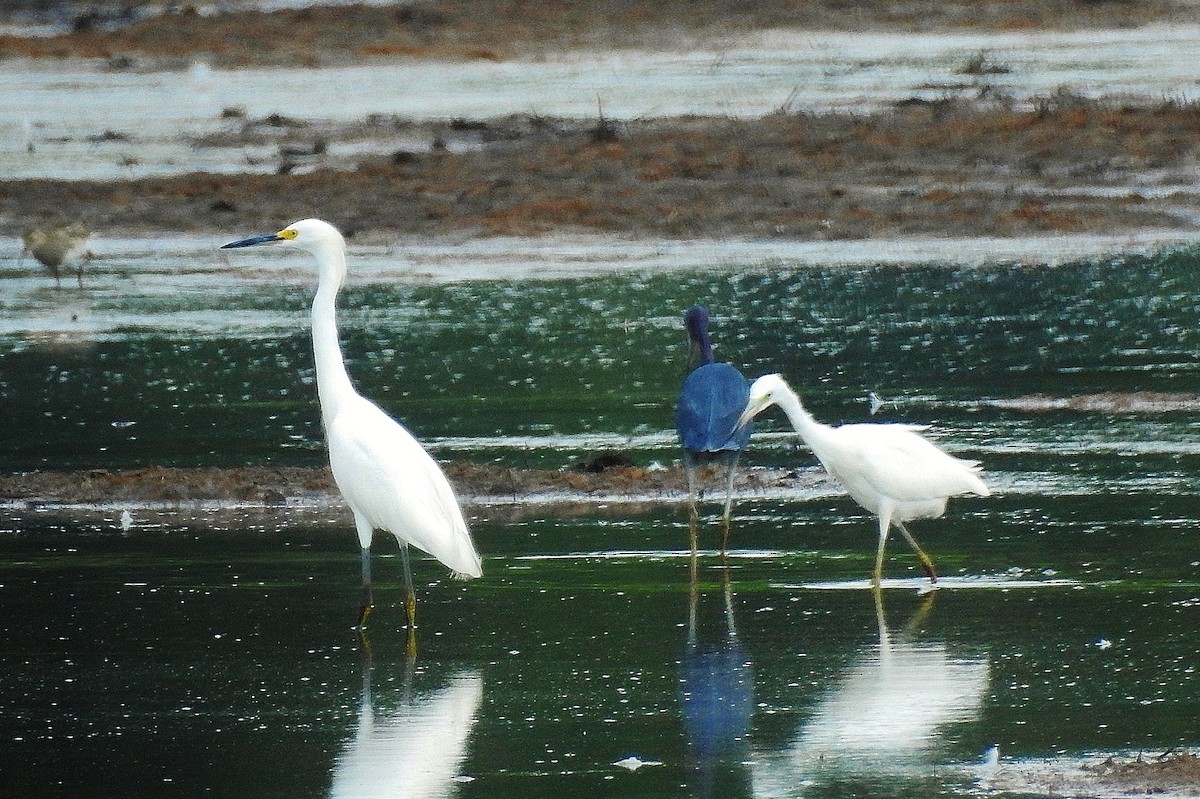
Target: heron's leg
926	563
885	522
689	468
410	596
364	609
731	473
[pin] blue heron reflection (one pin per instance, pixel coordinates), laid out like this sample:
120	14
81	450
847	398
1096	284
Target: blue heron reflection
716	685
414	750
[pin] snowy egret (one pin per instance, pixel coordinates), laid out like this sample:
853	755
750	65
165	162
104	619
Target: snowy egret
55	245
887	468
389	481
706	416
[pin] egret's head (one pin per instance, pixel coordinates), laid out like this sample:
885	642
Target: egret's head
307	234
764	392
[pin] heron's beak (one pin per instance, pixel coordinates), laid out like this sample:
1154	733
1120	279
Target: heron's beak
756	406
250	242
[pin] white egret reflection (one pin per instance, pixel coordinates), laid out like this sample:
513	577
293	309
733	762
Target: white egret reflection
415	750
886	715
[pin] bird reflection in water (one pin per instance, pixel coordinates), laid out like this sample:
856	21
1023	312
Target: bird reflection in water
716	686
414	750
884	716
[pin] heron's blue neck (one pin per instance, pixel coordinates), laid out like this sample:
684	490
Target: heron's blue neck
333	382
701	351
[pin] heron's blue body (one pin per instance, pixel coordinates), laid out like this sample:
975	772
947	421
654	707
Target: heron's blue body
707	413
713	397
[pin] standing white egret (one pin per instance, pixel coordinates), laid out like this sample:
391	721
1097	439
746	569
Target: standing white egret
887	468
389	481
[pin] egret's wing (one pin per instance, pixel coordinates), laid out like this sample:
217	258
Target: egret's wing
710	403
388	477
898	463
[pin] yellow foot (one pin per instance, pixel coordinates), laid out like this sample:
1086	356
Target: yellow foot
927	565
363	613
410	611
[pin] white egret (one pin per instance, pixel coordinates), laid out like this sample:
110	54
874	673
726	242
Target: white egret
887	468
389	481
58	244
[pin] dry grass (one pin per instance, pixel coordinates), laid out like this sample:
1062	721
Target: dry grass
955	168
499	29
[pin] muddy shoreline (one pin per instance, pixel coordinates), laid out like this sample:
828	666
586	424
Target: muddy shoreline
953	168
975	163
475	482
151	36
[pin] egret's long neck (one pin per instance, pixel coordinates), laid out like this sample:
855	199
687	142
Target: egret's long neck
333	383
809	428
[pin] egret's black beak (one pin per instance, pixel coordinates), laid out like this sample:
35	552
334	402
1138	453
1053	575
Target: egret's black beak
250	242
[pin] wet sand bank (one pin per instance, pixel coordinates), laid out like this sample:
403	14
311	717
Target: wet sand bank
951	169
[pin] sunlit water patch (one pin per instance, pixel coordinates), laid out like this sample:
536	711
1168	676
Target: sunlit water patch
213	364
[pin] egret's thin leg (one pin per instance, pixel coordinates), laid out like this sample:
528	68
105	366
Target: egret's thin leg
885	522
410	596
926	563
731	473
367	603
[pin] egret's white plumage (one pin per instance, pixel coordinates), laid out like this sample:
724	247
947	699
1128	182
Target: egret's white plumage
887	468
387	478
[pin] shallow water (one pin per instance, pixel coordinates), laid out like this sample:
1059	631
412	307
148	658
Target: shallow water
196	359
209	648
184	661
68	110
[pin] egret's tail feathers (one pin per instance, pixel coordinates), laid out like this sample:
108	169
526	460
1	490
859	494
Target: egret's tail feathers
464	576
978	486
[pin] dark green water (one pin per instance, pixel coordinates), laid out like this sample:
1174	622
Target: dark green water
595	355
209	652
186	662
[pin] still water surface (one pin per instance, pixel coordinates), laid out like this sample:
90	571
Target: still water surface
209	649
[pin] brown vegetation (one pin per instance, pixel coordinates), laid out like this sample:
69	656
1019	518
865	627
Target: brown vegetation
498	29
273	485
947	168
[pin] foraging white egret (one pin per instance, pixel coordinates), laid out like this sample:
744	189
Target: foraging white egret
887	468
389	481
55	245
706	417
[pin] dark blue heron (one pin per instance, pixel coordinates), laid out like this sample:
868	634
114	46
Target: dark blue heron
706	416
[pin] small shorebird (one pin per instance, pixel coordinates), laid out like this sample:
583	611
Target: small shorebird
57	244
